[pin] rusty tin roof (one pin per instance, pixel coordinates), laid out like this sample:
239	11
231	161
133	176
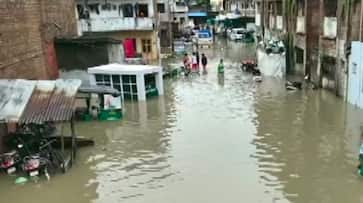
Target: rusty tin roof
26	101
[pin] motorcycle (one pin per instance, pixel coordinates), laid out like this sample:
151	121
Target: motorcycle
45	161
9	161
34	165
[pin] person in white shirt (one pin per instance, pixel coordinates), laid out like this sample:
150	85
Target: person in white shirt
194	62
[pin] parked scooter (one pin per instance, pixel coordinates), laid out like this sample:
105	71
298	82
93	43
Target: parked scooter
34	165
10	161
45	161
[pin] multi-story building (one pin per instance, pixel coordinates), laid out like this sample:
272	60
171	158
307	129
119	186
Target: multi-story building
165	23
246	8
317	35
173	16
269	18
27	32
179	12
132	21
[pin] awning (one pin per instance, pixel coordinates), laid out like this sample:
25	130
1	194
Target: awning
26	101
99	90
14	96
197	14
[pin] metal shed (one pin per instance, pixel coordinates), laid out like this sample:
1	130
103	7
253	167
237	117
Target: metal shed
39	102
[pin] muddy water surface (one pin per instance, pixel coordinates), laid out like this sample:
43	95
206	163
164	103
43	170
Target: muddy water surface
214	139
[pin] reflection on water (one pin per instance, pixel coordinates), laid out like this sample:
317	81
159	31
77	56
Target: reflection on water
214	138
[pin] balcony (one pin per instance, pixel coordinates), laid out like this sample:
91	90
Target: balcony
330	27
115	24
300	25
249	12
179	8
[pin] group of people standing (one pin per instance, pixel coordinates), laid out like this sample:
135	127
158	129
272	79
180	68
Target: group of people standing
192	63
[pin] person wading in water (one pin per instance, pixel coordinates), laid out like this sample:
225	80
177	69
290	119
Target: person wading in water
204	63
221	67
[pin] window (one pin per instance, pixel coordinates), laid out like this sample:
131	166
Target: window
299	55
161	8
116	82
301	8
150	82
103	80
129	87
146	45
127	10
142	10
330	8
106	7
182	20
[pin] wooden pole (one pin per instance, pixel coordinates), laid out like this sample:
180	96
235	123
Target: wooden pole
74	144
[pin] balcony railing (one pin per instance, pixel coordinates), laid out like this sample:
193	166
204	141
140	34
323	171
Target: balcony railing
330	27
115	24
180	9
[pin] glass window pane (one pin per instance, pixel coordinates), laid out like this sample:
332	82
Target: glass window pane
133	78
127	96
106	78
118	87
134	88
99	78
125	79
116	79
126	88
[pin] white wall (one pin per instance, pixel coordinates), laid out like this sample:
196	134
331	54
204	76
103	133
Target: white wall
115	13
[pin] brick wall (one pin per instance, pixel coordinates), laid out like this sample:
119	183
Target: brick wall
27	30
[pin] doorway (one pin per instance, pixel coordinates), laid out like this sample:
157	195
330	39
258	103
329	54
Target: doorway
130	47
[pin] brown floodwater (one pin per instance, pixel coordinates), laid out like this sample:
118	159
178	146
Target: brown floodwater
214	139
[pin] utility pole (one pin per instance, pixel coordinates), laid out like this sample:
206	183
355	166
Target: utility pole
171	19
263	19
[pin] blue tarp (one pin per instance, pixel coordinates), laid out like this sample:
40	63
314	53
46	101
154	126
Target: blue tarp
197	14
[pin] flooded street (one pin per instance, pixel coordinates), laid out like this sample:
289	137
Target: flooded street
215	139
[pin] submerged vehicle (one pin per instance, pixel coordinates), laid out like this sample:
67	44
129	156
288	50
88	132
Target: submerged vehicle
248	65
236	34
9	161
204	38
102	103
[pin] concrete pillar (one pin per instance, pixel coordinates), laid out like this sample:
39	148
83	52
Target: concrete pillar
159	82
140	82
142	114
92	79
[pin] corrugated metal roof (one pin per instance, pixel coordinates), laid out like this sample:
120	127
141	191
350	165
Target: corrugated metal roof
43	101
14	96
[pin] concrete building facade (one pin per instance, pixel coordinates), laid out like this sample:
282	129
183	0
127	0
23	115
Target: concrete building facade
317	35
133	22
